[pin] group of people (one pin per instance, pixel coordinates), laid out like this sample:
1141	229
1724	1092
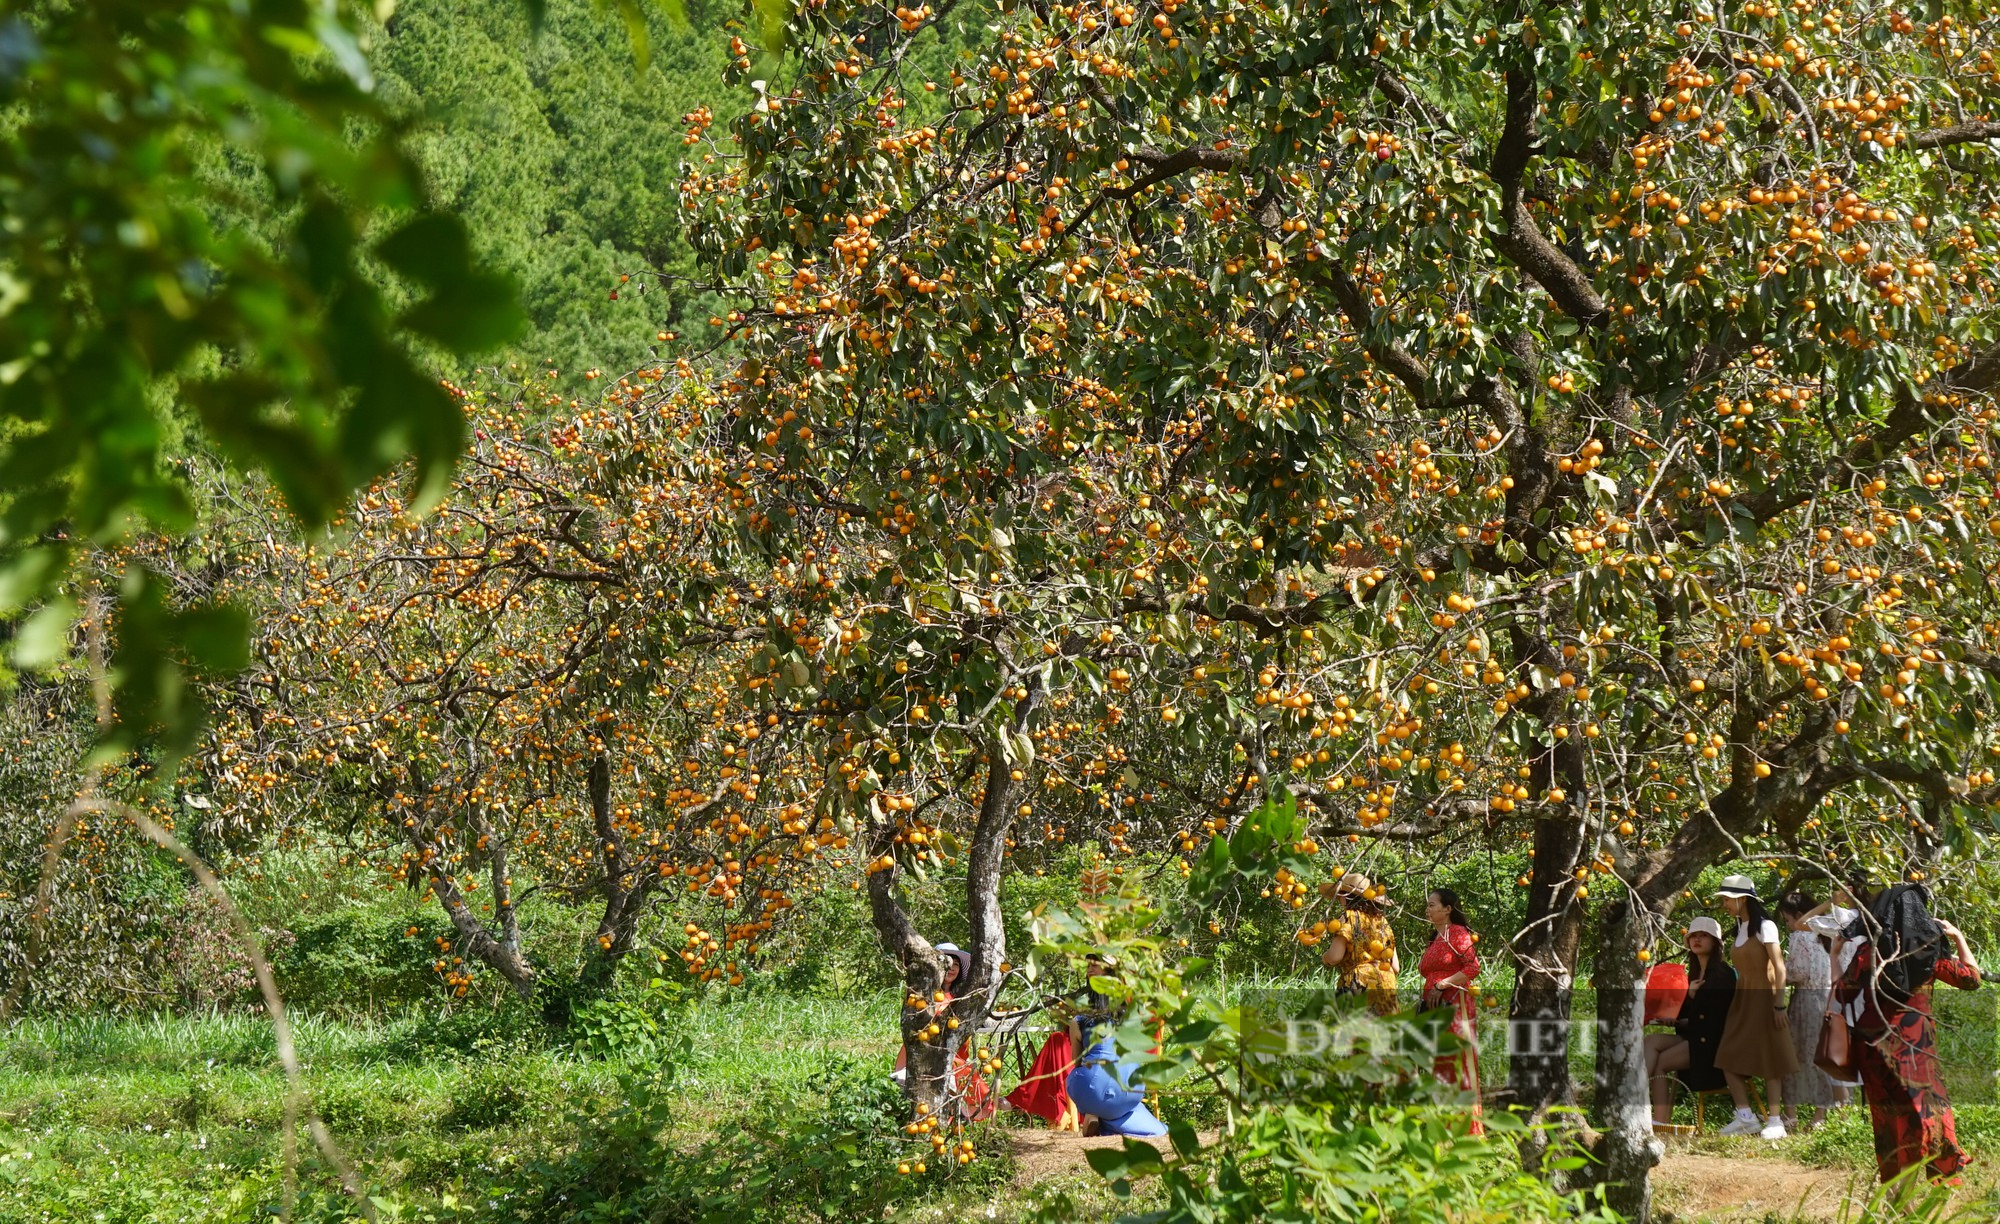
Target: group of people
1092	1091
1361	950
1844	1004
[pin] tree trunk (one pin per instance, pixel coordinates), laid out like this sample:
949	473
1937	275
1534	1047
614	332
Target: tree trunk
1545	954
1804	771
929	1081
1625	1147
1545	951
626	892
502	956
926	1079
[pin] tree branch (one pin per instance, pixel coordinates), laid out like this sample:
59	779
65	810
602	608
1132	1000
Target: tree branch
1957	133
1523	241
1160	167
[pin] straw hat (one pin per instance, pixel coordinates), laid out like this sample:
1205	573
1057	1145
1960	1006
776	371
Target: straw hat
1737	886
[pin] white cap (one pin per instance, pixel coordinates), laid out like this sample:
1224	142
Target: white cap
1705	925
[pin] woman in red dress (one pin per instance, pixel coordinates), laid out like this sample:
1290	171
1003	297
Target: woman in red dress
969	1084
1895	1053
1449	967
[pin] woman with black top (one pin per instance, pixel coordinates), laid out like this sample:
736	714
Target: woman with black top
1688	1053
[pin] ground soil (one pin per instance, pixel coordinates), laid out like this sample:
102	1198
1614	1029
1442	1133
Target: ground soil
1692	1186
1726	1189
1041	1154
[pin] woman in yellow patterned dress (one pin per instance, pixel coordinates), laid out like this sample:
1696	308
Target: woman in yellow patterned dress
1361	947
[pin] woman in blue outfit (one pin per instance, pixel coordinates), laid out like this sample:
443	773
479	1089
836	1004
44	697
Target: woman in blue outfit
1100	1089
1100	1086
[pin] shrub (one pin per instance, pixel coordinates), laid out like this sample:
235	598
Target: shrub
357	961
827	1153
494	1095
634	1022
618	1166
616	1028
428	1033
369	1105
831	1155
201	954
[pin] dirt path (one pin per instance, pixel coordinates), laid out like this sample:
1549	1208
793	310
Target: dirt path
1040	1154
1723	1189
1694	1186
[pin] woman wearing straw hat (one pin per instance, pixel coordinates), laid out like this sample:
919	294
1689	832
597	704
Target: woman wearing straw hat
970	1085
1757	1038
1362	947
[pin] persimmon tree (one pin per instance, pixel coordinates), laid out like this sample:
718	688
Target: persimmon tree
1577	421
483	691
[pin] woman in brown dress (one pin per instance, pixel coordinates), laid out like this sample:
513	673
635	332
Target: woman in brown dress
1756	1039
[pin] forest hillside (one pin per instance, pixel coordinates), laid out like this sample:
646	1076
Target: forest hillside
564	157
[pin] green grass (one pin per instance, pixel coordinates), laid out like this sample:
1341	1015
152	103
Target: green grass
463	1116
178	1118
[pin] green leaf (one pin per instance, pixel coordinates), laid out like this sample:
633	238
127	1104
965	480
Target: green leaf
773	18
633	14
1209	873
468	309
1196	1033
216	637
42	641
1135	1159
340	43
26	577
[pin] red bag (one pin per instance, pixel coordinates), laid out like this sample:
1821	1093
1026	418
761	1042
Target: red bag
1666	991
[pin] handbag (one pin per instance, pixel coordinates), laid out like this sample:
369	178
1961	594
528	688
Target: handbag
1834	1054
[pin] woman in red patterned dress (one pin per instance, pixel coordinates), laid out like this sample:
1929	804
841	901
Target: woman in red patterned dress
1895	1054
972	1091
1449	967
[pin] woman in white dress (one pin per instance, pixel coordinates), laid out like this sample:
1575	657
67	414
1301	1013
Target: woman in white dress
1809	971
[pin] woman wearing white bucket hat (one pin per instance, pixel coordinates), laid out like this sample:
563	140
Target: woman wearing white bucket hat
1688	1053
973	1103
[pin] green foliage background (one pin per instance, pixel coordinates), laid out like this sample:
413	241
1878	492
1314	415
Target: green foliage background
562	156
